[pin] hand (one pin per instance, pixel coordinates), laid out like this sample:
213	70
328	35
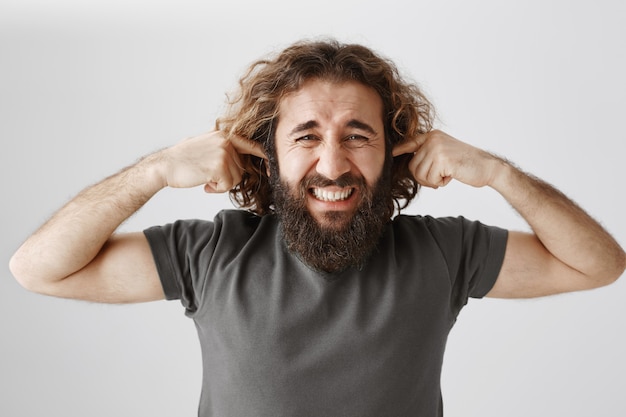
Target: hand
211	159
438	158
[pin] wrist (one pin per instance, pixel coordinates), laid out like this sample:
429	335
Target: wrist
502	173
152	170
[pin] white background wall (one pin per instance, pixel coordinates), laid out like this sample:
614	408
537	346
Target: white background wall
88	87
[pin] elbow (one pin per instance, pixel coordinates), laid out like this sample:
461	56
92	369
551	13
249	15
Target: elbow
20	268
621	265
612	269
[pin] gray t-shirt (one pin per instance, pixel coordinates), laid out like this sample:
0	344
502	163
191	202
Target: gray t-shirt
281	339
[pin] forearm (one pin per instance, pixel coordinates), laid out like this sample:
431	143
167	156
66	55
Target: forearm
78	231
564	229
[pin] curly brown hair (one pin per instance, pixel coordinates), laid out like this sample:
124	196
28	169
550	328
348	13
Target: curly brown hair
253	110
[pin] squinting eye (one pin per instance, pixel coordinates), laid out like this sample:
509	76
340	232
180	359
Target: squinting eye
307	140
356	138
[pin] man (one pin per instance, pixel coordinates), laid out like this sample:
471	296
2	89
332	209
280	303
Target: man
316	300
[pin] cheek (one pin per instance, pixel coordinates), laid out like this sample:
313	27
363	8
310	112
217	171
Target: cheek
294	166
371	165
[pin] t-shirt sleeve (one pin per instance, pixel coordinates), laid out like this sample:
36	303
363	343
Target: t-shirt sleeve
489	245
474	253
182	251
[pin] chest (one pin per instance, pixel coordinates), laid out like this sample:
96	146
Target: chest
287	335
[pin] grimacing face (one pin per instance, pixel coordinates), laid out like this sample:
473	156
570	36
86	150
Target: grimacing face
329	189
328	130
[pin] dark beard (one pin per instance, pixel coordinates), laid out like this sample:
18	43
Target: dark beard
349	240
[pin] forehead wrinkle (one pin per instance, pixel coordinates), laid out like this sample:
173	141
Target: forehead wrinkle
353	123
318	107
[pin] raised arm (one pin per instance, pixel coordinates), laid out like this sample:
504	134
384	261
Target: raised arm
567	251
76	254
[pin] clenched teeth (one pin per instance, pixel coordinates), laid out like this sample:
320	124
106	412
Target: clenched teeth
325	195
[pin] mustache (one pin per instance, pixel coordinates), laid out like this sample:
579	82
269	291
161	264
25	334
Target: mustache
346	180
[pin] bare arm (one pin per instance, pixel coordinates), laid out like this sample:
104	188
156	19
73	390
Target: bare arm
67	256
76	253
567	251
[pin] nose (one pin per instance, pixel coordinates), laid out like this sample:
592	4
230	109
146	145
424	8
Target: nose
332	161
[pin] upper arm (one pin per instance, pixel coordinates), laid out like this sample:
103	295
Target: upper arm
530	270
123	272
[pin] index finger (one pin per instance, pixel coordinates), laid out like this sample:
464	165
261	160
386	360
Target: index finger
247	147
410	145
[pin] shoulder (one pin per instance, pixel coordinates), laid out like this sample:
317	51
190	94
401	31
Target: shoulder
241	218
241	223
447	233
231	224
429	225
440	225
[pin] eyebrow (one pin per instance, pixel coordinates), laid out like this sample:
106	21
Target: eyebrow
311	124
357	124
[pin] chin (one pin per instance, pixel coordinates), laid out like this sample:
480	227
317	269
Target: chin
334	220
